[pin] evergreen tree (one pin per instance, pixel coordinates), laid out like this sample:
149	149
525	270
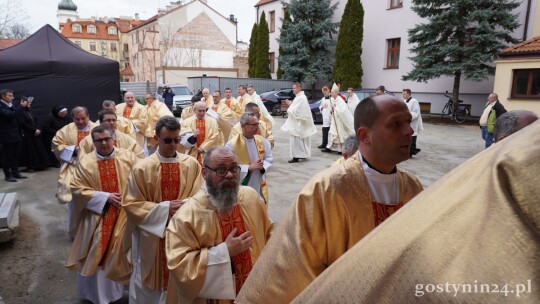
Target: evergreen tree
284	22
460	38
262	65
252	52
306	39
348	65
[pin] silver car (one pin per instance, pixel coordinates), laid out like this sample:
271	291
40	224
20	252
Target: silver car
181	99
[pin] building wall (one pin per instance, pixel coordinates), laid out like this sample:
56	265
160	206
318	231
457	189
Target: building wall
535	28
503	84
180	75
144	52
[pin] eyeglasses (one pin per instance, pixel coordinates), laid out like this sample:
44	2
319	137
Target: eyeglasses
105	139
252	124
109	120
221	172
169	141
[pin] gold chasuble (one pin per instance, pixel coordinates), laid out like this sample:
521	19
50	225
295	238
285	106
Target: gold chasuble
241	262
241	151
198	226
234	105
151	183
69	135
137	116
170	188
98	235
333	212
473	234
227	119
207	137
121	141
263	131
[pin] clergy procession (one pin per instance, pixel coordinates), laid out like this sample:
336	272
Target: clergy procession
175	210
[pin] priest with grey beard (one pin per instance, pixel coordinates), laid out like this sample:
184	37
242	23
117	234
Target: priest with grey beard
216	237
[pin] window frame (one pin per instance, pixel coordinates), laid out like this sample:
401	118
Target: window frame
114	30
527	95
78	43
394	6
76	26
92	46
114	47
272	61
272	21
91	29
392	51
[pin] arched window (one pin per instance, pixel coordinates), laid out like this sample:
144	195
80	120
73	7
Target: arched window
91	29
76	28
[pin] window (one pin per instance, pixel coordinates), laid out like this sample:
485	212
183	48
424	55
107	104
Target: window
91	29
113	46
272	62
392	56
78	43
92	46
396	4
126	47
272	23
112	30
76	28
526	83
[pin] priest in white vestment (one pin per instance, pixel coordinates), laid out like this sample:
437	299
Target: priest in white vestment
254	154
299	125
352	100
266	117
342	122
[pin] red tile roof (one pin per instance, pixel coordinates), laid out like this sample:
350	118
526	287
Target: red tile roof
263	2
101	30
125	25
528	47
145	22
127	71
5	43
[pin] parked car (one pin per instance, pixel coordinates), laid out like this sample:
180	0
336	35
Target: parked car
181	99
272	100
361	93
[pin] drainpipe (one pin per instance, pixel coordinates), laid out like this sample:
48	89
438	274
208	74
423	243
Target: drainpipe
526	27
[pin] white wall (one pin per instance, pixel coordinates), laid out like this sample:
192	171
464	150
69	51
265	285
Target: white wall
181	76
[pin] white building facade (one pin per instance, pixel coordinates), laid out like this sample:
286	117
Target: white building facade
386	51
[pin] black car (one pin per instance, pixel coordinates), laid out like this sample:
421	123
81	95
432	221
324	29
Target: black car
272	100
361	93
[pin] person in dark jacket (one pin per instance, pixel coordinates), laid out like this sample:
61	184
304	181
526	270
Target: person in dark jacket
58	118
168	95
33	153
10	137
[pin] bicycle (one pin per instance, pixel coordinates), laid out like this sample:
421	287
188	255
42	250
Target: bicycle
459	114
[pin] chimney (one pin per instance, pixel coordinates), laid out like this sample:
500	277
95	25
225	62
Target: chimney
168	8
136	16
106	19
161	11
93	19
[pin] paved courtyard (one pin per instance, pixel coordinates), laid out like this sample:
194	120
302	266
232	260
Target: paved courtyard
31	267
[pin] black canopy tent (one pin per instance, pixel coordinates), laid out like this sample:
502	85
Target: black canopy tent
55	71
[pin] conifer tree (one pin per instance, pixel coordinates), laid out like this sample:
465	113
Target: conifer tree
348	65
286	19
262	65
306	40
252	52
460	38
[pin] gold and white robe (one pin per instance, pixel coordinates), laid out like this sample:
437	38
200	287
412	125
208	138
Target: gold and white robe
99	225
197	256
205	140
265	115
263	131
154	112
227	119
137	117
147	217
300	126
476	225
341	125
187	113
234	105
334	211
121	140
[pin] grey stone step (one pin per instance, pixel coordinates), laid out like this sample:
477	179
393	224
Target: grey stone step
8	201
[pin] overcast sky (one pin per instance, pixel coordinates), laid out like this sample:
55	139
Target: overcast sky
41	12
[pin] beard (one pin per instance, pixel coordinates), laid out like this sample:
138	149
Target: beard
223	195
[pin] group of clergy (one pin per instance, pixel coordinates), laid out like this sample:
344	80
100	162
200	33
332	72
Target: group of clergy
126	175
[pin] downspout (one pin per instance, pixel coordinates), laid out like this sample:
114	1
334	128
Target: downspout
526	27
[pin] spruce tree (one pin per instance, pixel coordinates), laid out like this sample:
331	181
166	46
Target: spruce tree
460	38
252	52
348	65
286	19
262	65
306	40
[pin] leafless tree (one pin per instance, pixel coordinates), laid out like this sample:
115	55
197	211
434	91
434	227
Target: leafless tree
11	20
179	47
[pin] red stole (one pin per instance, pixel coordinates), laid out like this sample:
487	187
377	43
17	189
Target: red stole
215	108
127	111
381	211
241	262
81	135
200	124
109	183
170	190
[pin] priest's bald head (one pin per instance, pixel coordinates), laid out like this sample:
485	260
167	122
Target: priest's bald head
382	125
200	109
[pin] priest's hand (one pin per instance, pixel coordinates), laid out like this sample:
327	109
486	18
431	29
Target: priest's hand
256	165
174	206
239	244
196	132
115	199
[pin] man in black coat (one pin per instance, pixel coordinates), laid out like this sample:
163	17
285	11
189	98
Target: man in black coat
10	137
